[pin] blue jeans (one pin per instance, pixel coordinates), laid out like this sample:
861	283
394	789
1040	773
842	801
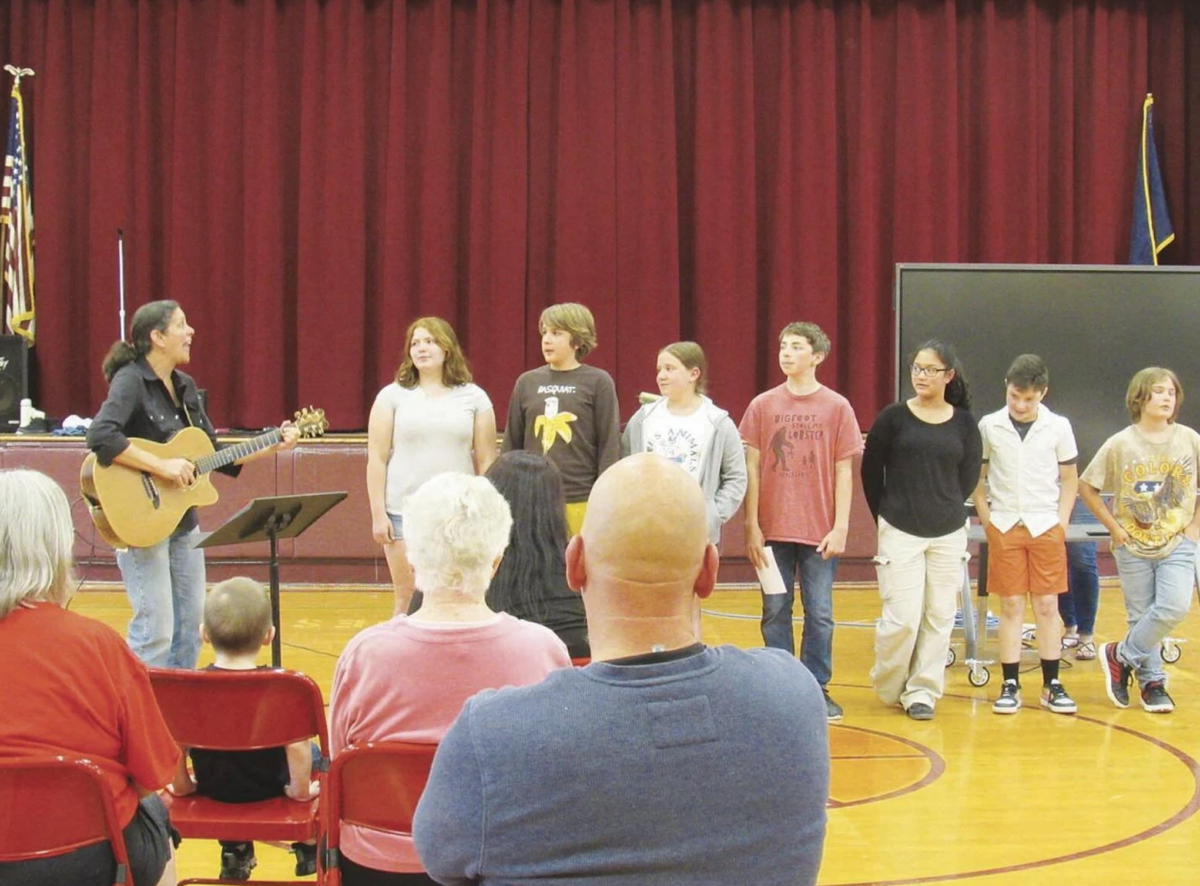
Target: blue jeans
816	597
1078	606
165	584
1157	596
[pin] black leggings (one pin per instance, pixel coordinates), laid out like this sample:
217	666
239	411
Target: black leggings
356	875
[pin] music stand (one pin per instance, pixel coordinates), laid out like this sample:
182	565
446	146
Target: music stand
271	518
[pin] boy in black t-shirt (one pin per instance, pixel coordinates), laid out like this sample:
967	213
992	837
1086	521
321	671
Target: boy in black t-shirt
237	622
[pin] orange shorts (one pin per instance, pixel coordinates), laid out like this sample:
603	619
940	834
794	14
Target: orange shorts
1020	564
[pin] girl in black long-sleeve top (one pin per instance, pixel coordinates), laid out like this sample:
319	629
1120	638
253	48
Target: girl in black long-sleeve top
920	465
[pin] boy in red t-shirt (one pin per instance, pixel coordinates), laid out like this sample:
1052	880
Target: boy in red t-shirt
801	439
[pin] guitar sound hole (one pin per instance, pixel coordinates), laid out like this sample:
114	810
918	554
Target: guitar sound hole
151	490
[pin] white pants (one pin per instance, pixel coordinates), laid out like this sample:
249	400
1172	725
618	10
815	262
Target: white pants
919	582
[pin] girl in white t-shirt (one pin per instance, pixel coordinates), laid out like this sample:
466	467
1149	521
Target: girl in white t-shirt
687	428
431	419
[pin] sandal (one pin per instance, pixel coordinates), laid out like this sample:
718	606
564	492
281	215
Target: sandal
1085	651
1070	641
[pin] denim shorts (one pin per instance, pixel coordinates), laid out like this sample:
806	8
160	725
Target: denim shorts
397	527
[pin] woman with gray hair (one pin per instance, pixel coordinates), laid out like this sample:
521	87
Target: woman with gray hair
407	679
91	698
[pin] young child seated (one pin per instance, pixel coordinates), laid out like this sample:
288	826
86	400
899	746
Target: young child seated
237	622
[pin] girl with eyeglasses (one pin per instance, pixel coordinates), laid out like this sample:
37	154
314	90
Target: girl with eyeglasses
919	467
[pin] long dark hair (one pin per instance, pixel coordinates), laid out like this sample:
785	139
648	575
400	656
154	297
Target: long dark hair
534	562
958	392
149	317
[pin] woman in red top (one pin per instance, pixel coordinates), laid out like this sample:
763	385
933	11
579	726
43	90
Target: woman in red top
90	698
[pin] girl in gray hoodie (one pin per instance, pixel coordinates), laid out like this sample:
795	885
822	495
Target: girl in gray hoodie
688	428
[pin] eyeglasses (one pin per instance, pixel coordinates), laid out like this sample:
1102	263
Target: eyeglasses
928	371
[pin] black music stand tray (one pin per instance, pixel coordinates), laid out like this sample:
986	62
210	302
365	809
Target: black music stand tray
271	518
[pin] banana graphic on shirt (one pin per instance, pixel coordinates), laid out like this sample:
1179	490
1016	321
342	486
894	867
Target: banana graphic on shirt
553	424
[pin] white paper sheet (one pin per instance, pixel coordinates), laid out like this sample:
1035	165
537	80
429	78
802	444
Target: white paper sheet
769	577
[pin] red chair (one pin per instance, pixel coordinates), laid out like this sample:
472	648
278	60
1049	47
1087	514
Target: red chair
242	711
54	805
374	785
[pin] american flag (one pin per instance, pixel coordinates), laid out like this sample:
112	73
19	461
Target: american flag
16	218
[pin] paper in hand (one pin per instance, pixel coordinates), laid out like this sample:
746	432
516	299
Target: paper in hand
769	577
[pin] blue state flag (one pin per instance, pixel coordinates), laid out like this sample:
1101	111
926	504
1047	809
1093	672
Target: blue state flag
1152	230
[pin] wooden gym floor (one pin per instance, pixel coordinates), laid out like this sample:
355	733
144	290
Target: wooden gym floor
1106	796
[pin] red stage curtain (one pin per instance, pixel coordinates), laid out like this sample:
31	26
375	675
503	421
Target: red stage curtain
306	176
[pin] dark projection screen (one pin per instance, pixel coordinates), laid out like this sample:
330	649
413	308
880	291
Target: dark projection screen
1095	325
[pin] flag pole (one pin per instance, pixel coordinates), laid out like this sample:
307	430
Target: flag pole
16	221
18	73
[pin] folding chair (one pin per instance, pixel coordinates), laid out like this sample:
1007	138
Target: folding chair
373	785
54	805
242	711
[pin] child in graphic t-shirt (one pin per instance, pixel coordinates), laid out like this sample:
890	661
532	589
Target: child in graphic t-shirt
567	410
686	427
1150	469
801	439
237	622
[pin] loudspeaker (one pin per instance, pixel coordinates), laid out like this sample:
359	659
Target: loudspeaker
14	381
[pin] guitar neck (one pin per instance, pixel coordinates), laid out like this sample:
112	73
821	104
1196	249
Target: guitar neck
230	454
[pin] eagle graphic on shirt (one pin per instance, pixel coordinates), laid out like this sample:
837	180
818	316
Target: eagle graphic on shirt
552	425
1160	501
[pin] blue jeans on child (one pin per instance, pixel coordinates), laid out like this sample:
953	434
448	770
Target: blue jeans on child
1157	596
1078	606
165	584
816	598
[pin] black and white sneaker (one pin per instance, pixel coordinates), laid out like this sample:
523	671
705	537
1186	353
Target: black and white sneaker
1009	701
833	710
1056	700
1155	699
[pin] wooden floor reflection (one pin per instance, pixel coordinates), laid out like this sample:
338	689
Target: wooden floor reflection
1106	796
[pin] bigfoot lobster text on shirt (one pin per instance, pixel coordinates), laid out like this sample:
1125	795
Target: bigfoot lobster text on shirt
793	429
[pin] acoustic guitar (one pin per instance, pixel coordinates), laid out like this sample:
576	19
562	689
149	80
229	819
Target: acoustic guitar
135	509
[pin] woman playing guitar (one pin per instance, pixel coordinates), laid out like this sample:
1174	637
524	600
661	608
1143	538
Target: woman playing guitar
149	397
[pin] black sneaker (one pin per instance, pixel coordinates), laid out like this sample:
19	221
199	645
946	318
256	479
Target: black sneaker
1116	675
237	861
1155	698
833	710
1009	701
306	859
1056	700
920	711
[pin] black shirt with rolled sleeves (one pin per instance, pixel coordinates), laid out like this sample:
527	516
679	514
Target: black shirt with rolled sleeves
139	405
917	475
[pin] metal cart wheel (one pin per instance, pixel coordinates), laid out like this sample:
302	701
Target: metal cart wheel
1171	652
979	676
952	657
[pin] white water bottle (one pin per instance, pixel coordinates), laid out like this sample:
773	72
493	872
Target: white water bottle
26	412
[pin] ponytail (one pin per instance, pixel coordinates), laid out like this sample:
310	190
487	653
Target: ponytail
149	317
118	355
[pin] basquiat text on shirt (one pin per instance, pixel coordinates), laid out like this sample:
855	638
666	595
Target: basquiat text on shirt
556	389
